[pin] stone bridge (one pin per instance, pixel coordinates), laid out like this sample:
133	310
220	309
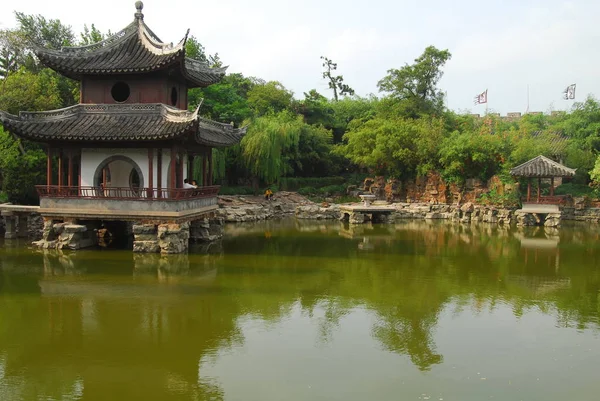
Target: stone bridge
14	214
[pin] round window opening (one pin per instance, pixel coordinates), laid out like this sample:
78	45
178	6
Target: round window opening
173	96
120	92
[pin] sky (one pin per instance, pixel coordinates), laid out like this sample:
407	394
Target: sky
511	48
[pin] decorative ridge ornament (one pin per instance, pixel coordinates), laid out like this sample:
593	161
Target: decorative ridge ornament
139	6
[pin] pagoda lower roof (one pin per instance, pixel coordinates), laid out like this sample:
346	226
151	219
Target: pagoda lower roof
135	49
118	123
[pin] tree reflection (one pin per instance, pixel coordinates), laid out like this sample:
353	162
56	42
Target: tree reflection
130	318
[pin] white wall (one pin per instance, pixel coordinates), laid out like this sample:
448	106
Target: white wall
91	159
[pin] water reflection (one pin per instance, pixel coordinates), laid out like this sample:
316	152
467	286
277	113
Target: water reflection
86	323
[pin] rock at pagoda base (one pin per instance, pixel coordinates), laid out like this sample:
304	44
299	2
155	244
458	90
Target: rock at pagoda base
66	236
173	237
206	230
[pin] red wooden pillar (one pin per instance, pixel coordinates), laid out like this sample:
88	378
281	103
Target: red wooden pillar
70	169
528	189
539	189
60	170
79	172
190	166
49	169
204	168
552	186
210	166
150	173
159	173
173	166
180	170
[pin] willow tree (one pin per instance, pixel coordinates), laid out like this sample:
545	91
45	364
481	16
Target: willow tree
270	143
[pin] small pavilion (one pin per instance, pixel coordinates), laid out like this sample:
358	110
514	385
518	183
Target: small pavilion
124	151
542	168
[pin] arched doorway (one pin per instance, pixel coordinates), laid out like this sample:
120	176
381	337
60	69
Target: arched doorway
119	176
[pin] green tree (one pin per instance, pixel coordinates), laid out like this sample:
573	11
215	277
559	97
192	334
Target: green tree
413	88
269	97
398	147
25	90
50	34
91	35
335	82
270	143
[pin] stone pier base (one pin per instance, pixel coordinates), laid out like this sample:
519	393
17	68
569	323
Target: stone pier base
206	230
165	238
66	235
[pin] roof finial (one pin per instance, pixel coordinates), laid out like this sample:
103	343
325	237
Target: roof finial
139	6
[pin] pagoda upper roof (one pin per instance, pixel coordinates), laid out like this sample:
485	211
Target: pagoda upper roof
134	49
118	123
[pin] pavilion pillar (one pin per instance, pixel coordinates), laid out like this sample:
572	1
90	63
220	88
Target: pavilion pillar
70	168
173	166
204	168
190	166
159	173
180	169
49	169
528	189
60	170
551	186
210	166
79	171
539	191
150	173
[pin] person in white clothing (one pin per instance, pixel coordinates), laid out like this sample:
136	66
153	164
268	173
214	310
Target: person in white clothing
187	185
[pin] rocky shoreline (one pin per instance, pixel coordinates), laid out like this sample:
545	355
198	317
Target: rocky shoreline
237	209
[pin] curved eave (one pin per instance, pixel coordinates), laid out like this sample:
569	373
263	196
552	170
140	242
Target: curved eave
211	133
200	75
135	49
103	123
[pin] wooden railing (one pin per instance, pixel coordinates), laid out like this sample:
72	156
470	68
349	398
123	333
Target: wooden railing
547	200
124	193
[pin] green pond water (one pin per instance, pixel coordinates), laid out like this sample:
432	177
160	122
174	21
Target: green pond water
291	311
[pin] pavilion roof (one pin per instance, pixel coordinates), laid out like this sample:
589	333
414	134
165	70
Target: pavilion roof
119	123
542	167
134	49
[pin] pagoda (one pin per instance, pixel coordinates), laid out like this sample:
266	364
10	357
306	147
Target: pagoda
124	151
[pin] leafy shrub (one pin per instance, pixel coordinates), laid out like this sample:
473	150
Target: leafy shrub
333	190
306	191
236	191
506	199
573	189
3	197
296	183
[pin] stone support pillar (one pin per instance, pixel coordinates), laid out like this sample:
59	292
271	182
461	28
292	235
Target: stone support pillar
168	238
23	232
10	225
